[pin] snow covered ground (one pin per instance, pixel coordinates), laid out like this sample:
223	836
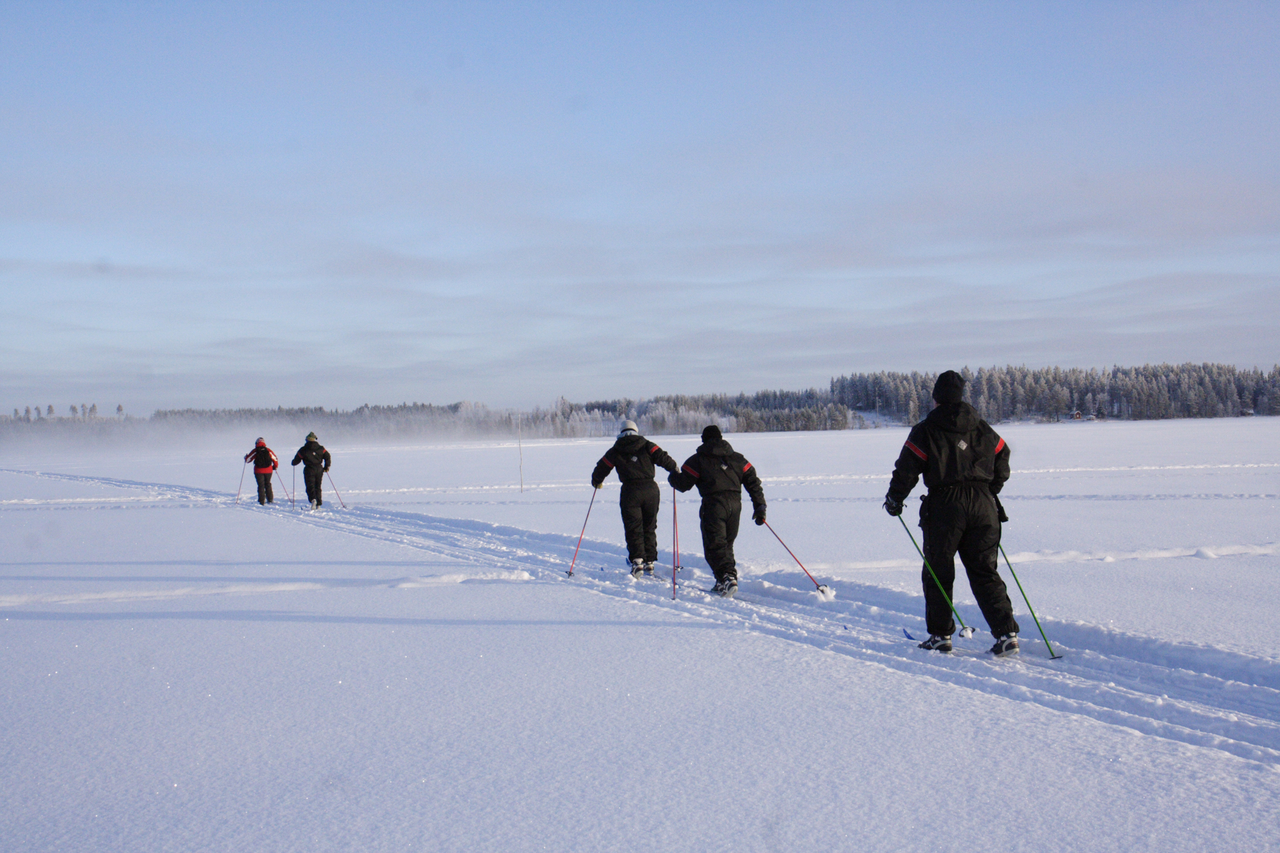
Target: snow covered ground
416	671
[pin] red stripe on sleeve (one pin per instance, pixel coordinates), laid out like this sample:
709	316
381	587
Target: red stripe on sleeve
690	471
924	457
1000	446
746	468
605	460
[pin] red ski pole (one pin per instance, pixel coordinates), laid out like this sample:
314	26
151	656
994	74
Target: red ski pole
675	549
286	491
583	533
822	588
335	489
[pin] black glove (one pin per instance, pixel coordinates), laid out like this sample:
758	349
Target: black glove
758	516
892	506
671	478
1000	513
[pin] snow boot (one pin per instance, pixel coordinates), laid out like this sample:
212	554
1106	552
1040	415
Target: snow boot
726	588
313	504
1006	645
648	569
637	568
937	643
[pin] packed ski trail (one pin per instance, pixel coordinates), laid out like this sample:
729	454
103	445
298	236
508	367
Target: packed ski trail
1199	695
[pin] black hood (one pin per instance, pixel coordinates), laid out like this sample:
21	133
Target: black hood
716	448
954	417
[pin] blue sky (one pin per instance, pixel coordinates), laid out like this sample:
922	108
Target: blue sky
260	204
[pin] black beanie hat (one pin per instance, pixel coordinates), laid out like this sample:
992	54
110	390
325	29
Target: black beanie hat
710	434
949	388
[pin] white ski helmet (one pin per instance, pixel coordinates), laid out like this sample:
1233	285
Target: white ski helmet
629	428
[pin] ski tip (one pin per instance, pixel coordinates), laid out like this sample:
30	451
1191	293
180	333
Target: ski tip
907	634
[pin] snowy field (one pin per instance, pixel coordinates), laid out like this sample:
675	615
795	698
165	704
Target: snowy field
417	672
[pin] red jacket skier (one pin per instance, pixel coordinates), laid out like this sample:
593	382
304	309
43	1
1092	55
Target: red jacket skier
265	464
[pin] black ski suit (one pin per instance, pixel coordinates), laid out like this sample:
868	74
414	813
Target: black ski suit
265	464
720	473
634	457
315	462
964	464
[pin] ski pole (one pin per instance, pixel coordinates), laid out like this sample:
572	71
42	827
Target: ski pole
1052	655
822	588
965	630
583	533
286	491
335	489
295	482
241	486
675	548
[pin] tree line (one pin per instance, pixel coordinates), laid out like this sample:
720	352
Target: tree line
856	401
1150	392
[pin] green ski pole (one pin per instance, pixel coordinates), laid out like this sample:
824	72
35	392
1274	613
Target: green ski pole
965	630
1052	655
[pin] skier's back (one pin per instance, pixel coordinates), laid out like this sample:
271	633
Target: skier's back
635	459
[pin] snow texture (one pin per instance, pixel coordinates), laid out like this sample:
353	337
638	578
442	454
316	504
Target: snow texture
417	672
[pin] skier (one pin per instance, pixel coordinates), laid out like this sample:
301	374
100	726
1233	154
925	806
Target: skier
634	457
964	464
315	464
265	464
720	473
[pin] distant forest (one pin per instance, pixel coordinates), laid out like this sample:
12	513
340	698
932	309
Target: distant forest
857	401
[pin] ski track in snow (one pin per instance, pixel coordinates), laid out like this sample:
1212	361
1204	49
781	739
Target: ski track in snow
1200	695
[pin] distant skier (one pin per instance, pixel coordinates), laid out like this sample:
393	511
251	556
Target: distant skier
265	464
964	464
721	473
634	457
315	464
